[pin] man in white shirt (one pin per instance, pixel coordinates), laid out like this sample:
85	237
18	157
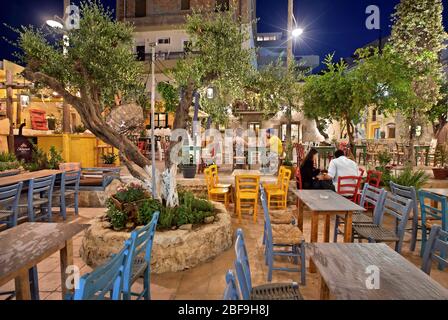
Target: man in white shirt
341	166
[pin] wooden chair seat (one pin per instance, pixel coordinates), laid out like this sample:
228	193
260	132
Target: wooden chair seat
223	186
36	202
275	192
276	291
138	269
219	191
5	214
376	233
281	217
270	186
361	218
286	234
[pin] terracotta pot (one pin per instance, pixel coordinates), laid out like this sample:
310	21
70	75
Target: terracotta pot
440	173
131	208
108	165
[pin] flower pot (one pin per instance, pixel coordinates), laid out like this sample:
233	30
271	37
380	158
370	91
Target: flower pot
131	208
440	173
108	165
188	171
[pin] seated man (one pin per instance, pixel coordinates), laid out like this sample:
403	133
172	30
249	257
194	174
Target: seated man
275	148
341	166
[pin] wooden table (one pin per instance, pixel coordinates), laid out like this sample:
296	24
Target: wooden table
5	181
333	205
241	172
24	246
343	268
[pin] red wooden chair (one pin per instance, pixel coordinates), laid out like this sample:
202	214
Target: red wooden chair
300	150
374	178
361	172
141	147
298	178
349	187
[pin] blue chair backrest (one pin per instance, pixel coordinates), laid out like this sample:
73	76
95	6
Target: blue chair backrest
399	208
44	184
406	192
439	212
9	200
104	280
373	196
242	266
267	219
231	291
140	242
436	249
71	179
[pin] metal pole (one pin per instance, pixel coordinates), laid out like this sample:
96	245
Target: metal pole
289	55
65	105
153	101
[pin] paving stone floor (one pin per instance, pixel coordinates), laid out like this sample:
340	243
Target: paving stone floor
205	281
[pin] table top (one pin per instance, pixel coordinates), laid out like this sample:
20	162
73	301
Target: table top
343	267
28	243
240	172
335	202
4	181
440	192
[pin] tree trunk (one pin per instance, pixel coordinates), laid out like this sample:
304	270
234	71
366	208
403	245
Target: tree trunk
411	151
350	133
181	117
289	133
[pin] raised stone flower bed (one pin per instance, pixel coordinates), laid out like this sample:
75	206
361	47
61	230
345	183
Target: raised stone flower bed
172	251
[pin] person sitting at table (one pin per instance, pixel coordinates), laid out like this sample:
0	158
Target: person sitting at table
312	177
341	166
275	149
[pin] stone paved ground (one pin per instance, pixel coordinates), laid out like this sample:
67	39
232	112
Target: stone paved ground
205	281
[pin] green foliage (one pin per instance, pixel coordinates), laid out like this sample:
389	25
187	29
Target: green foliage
117	218
79	129
169	95
109	158
99	60
218	58
54	158
410	178
441	156
147	209
384	158
7	157
131	193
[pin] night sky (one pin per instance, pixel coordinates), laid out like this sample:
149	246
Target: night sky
330	25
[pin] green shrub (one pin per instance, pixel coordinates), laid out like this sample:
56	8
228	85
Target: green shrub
410	178
147	209
166	218
117	218
54	158
7	157
131	193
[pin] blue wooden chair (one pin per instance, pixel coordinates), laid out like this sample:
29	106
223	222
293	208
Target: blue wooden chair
69	185
436	249
106	281
40	194
139	262
285	236
231	291
287	291
370	195
409	193
434	211
9	204
395	206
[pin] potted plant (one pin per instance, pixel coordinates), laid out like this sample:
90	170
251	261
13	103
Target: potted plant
109	159
440	169
189	169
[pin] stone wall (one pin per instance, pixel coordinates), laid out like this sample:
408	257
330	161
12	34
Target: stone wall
172	251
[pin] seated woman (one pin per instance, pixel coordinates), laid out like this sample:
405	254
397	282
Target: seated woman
308	170
312	177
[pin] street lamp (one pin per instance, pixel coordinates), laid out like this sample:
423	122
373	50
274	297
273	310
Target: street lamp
297	32
54	24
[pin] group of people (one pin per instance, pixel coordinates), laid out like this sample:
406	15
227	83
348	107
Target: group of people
314	178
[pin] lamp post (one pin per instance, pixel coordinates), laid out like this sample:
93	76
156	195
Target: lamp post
153	102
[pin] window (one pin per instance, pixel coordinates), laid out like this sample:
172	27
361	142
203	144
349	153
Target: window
374	115
184	4
164	41
140	50
266	38
391	131
222	5
160	120
140	8
295	130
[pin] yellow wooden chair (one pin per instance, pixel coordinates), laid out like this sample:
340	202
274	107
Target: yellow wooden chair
217	184
278	198
216	194
278	184
246	190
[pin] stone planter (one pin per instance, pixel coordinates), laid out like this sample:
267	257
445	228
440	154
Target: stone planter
172	251
440	173
188	171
